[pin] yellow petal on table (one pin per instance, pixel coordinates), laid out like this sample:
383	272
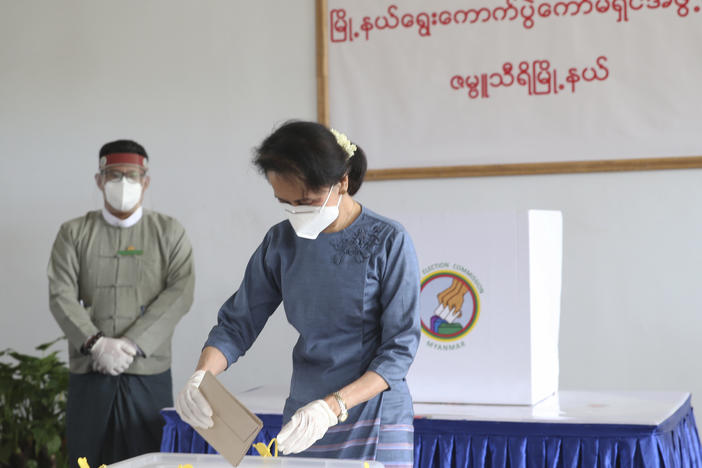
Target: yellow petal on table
83	462
265	451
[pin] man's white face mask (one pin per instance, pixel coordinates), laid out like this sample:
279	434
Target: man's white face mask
123	195
309	221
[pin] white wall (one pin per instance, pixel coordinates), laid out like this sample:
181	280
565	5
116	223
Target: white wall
200	84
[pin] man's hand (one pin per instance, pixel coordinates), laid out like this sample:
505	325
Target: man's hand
112	355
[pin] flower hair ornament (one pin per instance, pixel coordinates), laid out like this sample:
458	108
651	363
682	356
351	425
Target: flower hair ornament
344	142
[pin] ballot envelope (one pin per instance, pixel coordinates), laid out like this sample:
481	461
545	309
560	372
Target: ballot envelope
235	427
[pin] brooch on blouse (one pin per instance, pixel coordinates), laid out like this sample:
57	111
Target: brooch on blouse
359	244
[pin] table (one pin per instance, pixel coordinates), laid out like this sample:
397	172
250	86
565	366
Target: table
570	429
161	460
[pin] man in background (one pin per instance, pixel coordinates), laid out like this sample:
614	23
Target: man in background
120	278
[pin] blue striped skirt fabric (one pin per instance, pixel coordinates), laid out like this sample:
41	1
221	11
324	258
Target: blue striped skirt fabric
357	440
396	446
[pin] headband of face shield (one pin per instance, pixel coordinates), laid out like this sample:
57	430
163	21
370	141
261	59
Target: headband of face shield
309	221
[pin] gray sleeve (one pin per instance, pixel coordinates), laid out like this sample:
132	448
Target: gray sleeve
64	304
159	320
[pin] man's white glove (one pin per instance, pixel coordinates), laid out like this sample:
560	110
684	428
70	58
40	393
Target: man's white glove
191	405
112	355
307	426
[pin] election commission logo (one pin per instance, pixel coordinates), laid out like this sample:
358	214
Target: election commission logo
450	305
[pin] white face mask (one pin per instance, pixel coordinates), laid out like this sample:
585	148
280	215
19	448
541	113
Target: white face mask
309	221
123	196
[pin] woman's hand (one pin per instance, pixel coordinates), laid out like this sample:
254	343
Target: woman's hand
307	426
311	422
191	405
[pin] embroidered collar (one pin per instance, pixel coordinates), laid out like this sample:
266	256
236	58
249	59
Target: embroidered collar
358	243
113	220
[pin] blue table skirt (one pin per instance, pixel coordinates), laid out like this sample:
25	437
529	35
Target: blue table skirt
179	437
474	444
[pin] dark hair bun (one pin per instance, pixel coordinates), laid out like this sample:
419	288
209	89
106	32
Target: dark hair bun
310	152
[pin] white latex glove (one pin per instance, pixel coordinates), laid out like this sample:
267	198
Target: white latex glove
307	426
139	351
191	405
112	355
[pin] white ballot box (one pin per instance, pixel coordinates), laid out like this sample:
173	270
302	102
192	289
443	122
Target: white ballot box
172	460
489	306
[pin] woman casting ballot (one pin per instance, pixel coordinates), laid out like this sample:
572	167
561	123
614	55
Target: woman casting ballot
349	283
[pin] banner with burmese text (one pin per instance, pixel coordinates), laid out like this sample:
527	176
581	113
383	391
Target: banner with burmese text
460	82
